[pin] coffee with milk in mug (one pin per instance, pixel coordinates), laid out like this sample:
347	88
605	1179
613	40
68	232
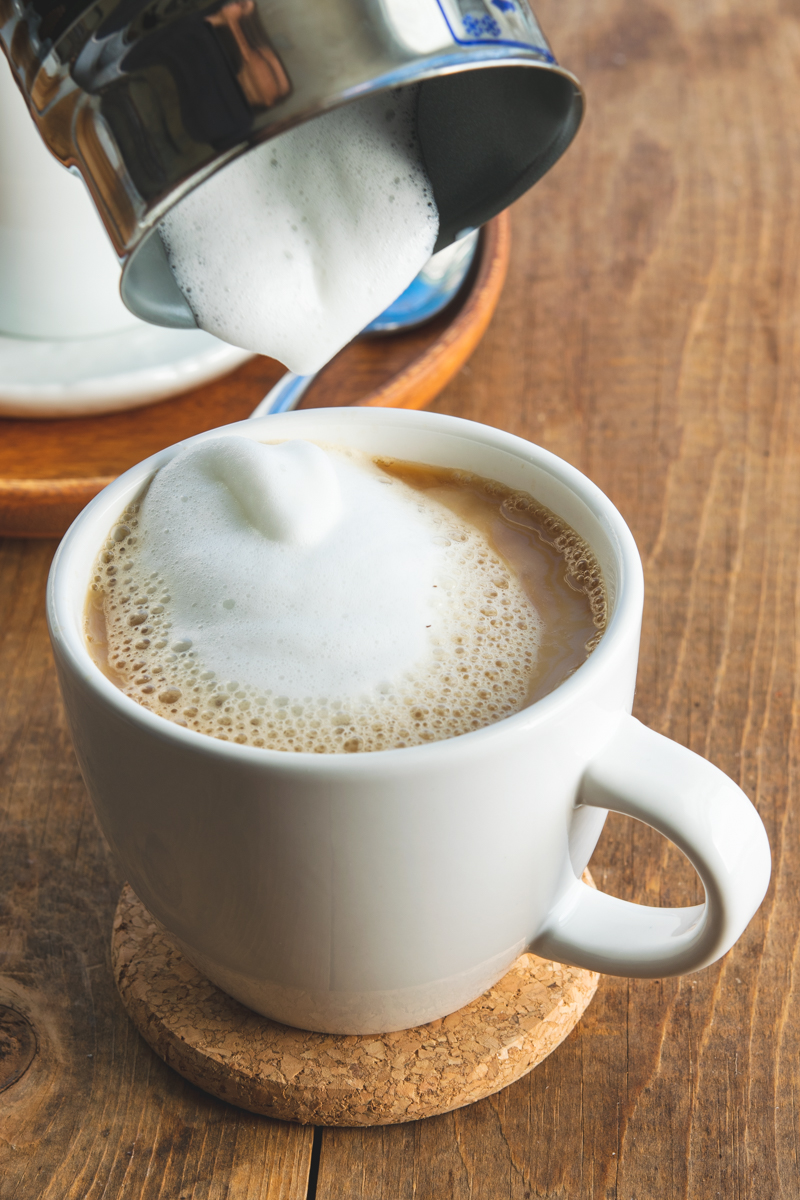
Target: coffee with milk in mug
305	598
366	892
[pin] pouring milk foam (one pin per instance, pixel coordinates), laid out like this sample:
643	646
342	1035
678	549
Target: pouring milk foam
293	248
301	598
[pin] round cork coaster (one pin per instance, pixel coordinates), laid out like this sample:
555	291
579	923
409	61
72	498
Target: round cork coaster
329	1079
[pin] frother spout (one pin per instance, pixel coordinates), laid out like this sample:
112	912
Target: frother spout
149	288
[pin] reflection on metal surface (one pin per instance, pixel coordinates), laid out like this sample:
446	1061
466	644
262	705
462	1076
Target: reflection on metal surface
421	28
261	75
432	290
491	22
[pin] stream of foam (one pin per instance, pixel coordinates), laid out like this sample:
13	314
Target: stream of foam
294	247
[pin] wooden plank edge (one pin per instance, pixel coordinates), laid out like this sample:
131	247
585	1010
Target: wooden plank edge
424	378
43	508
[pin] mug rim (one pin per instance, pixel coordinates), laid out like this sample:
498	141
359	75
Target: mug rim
628	602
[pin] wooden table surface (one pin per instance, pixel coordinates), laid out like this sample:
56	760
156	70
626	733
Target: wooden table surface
648	333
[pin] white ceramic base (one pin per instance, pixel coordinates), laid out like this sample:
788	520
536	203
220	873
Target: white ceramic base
87	376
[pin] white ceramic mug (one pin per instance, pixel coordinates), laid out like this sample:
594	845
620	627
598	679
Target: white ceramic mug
364	893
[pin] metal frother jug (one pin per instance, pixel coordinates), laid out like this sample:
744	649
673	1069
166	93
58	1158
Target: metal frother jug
147	98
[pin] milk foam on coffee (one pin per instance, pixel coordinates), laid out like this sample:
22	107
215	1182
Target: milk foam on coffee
299	597
293	248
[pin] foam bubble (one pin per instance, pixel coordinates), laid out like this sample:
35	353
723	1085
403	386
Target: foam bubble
399	625
293	248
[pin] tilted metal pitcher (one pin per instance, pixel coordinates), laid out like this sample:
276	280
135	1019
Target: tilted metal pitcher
148	98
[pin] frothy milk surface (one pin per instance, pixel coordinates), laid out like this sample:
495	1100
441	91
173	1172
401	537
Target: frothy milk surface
308	598
293	248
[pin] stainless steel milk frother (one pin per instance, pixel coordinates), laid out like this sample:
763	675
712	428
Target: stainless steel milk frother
147	98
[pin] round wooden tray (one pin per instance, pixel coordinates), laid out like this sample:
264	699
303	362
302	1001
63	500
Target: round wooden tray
50	469
329	1079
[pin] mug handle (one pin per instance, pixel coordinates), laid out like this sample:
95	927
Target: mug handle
645	775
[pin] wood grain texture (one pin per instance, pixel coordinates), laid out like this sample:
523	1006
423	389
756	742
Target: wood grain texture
96	1115
648	333
332	1079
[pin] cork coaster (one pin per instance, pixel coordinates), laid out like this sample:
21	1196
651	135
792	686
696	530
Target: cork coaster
328	1079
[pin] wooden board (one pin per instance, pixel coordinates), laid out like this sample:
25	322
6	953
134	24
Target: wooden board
50	469
324	1079
648	333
